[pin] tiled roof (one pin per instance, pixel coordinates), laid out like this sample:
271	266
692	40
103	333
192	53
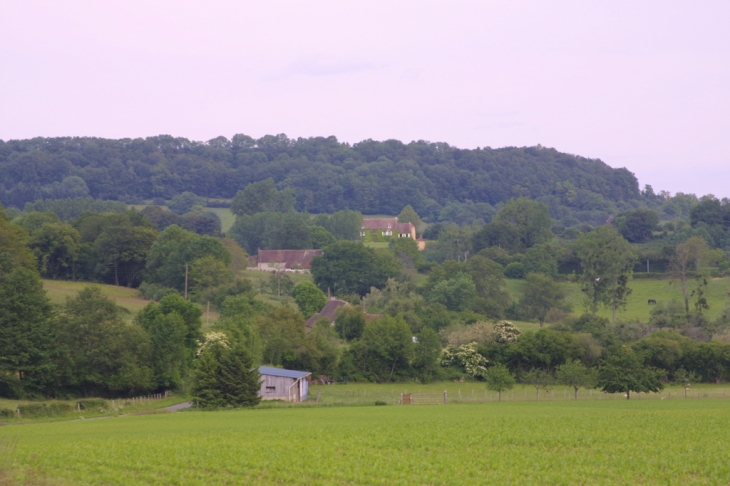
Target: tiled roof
291	258
329	311
386	224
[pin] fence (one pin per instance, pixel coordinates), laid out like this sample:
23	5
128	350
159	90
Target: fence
349	395
138	401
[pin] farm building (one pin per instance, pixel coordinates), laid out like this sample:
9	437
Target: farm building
287	385
287	260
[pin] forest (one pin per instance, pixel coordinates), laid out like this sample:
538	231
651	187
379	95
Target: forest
442	183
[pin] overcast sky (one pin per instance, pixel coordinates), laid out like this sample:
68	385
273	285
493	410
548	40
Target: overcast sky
642	85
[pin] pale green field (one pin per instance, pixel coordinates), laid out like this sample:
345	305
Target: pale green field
128	299
584	442
642	290
226	216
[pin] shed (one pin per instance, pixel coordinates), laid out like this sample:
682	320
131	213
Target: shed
281	384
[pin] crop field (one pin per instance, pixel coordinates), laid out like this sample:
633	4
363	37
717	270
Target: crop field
588	442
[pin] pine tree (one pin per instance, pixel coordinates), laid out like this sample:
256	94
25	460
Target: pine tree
206	385
239	381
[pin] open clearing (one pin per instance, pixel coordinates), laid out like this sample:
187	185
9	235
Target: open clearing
589	442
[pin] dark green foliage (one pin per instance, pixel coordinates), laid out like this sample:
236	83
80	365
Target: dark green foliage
426	355
541	259
261	197
56	246
344	225
175	248
350	322
325	175
514	270
99	354
457	293
309	298
623	371
320	237
67	209
531	219
347	267
637	226
26	334
384	352
167	334
184	202
272	231
540	294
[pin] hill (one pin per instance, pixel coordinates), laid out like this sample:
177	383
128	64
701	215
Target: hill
325	175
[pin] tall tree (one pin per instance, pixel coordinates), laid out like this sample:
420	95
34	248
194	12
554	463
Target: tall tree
576	374
260	197
530	218
606	259
57	248
499	379
687	257
26	334
347	267
624	372
540	293
309	298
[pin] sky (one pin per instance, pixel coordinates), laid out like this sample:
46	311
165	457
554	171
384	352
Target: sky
642	85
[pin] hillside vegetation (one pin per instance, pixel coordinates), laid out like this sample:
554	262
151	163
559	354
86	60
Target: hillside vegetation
325	175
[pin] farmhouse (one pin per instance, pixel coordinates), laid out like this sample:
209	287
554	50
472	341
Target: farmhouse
383	229
287	385
299	261
329	312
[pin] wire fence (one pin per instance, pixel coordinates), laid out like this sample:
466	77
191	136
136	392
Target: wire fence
334	394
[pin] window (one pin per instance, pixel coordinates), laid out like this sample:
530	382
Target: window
270	389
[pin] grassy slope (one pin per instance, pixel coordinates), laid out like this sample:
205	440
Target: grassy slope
128	299
589	442
643	290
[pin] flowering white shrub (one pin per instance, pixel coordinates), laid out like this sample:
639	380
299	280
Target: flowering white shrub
467	357
506	332
212	339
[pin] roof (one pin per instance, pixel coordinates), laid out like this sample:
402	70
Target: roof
267	370
385	224
290	258
329	311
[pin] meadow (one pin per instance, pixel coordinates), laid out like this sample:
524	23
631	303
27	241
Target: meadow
583	442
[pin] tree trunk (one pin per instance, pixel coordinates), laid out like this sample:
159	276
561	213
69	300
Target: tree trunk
628	394
542	321
499	396
116	274
576	392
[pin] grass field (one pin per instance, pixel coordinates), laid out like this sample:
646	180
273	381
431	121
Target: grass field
226	216
128	299
642	290
584	442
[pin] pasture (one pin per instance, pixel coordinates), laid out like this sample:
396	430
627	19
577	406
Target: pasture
128	299
584	442
663	291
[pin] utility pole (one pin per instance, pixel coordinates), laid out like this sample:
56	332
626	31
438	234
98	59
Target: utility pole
186	281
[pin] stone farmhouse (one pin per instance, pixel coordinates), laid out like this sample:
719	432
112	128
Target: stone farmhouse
383	229
298	261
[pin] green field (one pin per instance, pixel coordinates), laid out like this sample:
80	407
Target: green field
584	442
642	290
226	216
128	299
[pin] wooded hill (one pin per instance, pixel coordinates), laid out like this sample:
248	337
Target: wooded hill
325	175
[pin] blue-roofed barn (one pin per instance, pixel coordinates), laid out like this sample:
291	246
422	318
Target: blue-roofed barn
281	384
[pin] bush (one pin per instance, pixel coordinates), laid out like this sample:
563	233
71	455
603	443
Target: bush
155	292
514	270
6	413
44	410
94	403
379	403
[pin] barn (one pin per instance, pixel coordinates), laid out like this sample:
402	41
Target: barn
280	384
